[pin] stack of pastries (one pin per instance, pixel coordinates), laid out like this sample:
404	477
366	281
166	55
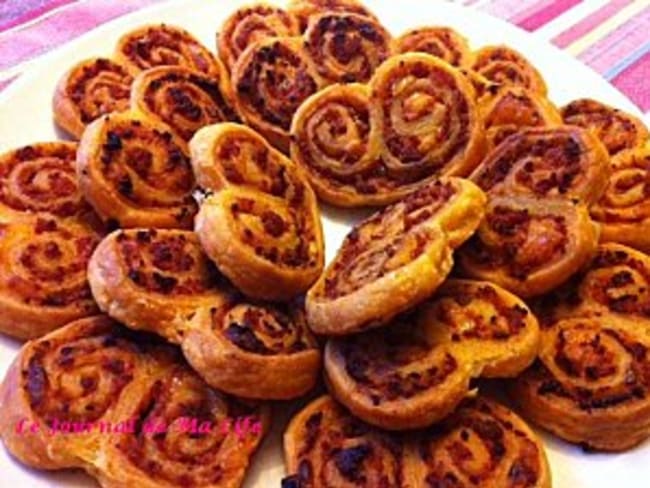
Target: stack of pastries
168	264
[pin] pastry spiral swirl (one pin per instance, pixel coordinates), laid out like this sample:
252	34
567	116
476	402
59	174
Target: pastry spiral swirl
254	350
442	42
530	246
43	274
164	45
303	10
395	258
136	173
591	384
555	162
373	144
417	370
616	129
504	65
260	223
90	89
183	99
40	178
250	24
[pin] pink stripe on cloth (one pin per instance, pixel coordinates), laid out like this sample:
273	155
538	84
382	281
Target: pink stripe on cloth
633	81
546	14
590	23
508	9
5	83
34	40
16	12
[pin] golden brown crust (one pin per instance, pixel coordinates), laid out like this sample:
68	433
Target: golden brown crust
530	246
254	350
443	42
483	441
554	162
417	370
43	274
504	65
250	24
591	384
623	211
136	173
154	45
185	100
617	130
395	258
154	279
305	9
373	144
90	89
260	224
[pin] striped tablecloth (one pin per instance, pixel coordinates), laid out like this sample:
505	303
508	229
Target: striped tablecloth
611	36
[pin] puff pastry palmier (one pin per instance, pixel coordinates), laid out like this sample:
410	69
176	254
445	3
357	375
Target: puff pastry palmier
40	178
504	65
395	258
183	99
250	24
623	211
508	109
529	246
482	444
373	144
136	173
43	282
90	89
305	9
325	446
254	350
417	370
591	384
564	161
443	42
617	129
149	46
261	225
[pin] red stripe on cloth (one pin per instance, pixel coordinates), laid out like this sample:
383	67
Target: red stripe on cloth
36	39
633	81
589	23
17	12
548	13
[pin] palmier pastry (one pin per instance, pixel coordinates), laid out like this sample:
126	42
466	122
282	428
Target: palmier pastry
271	79
154	280
183	99
346	48
373	144
442	42
564	161
506	66
591	384
254	350
618	130
305	9
164	45
90	89
508	109
482	444
136	173
41	178
96	396
261	226
325	446
530	246
395	258
43	274
250	24
416	371
624	209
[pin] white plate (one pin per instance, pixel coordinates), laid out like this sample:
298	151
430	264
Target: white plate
25	117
